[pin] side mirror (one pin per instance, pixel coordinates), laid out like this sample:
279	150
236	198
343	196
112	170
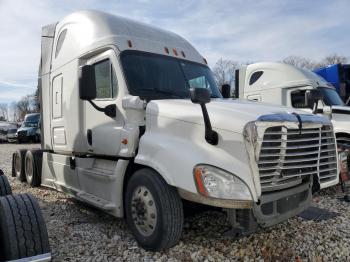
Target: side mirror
312	97
87	90
200	95
87	83
226	91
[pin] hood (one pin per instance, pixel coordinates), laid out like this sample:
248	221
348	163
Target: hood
225	114
25	128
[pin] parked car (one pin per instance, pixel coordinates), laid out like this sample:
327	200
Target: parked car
140	125
30	129
12	135
3	134
4	127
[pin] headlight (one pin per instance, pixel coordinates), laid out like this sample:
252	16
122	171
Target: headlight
214	182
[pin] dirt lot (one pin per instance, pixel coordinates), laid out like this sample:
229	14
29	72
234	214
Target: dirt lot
80	233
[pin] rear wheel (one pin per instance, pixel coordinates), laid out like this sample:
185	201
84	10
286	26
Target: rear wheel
5	188
33	167
22	228
153	210
18	163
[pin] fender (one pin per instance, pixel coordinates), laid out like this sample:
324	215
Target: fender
174	156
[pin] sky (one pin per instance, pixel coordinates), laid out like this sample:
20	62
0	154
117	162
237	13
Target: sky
240	30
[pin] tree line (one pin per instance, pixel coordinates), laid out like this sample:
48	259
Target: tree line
224	69
16	111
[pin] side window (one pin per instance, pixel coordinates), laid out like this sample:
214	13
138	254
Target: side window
255	77
60	42
298	99
198	82
106	80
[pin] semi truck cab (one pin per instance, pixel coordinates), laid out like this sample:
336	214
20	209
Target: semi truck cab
339	76
133	123
286	85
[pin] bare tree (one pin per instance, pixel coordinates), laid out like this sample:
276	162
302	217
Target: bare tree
25	106
333	59
4	111
224	71
36	100
300	62
13	114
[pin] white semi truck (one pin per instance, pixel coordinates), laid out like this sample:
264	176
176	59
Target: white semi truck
133	123
287	85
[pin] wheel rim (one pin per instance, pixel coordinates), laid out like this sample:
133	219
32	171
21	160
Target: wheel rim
17	165
29	169
143	210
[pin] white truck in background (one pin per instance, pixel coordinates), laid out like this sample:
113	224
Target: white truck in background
287	85
133	123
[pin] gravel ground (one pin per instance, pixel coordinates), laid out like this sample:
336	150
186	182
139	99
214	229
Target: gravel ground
80	233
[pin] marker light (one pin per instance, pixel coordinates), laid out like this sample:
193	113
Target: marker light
174	51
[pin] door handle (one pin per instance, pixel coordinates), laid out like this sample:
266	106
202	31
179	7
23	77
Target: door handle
89	136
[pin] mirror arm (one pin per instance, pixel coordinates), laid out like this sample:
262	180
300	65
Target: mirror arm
110	110
96	106
211	136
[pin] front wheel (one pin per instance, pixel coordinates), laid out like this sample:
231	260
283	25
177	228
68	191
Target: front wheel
154	211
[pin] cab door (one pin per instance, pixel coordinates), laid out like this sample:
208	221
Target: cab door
101	131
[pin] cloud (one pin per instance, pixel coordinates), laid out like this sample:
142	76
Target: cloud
240	30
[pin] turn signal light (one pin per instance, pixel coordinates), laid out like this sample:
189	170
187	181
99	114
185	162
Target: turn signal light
199	181
174	51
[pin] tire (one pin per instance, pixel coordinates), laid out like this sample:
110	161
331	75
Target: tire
18	163
163	229
22	228
32	167
5	188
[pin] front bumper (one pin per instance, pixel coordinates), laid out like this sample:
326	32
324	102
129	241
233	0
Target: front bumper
272	209
276	207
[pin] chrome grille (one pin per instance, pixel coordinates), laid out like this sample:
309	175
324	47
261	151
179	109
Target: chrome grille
287	156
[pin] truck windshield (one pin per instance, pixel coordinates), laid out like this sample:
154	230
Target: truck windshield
153	76
32	118
331	97
30	124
